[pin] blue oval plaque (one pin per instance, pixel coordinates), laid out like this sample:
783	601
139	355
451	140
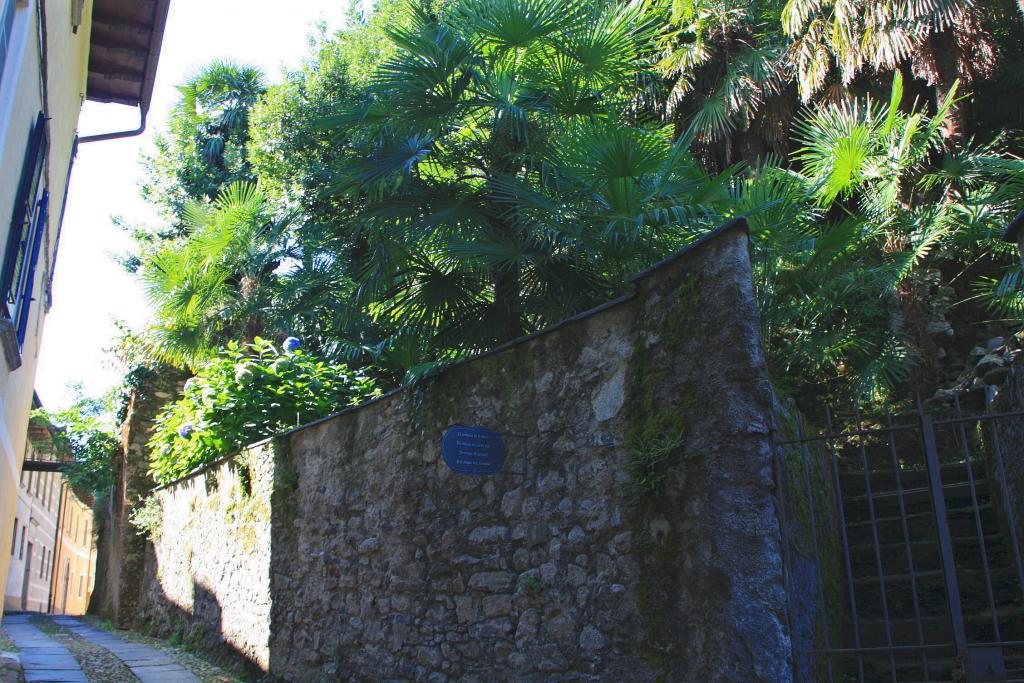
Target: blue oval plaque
473	450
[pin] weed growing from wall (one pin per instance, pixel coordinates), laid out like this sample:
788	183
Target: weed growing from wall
148	517
646	465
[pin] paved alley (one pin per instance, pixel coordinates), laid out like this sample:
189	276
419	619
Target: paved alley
43	658
47	661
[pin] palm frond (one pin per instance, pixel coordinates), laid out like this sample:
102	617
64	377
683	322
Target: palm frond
506	25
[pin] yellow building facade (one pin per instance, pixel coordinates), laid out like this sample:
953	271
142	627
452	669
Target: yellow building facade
74	560
53	55
32	547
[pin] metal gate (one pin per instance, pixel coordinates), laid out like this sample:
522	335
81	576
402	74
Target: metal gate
902	553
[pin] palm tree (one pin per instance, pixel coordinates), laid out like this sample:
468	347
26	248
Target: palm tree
725	63
941	42
205	147
219	282
854	242
495	185
215	103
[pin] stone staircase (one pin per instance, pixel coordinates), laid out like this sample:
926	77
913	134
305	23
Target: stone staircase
909	558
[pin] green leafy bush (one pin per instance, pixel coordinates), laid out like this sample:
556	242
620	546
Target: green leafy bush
85	431
247	393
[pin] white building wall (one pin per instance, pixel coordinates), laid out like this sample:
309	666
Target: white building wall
33	550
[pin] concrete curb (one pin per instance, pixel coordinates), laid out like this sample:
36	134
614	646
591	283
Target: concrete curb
10	668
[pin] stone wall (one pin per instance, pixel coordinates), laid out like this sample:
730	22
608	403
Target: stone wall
1010	437
120	549
813	550
632	534
208	583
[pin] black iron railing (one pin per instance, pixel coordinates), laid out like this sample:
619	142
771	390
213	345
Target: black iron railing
902	554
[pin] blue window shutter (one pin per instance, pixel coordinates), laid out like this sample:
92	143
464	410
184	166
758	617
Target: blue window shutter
24	205
30	274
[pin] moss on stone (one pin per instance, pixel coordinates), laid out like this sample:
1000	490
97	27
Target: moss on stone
194	637
657	628
681	316
653	437
812	521
285	482
655	428
244	512
659	559
655	433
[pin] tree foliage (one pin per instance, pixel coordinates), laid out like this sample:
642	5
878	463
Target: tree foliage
738	70
220	280
442	176
857	238
495	181
84	431
203	150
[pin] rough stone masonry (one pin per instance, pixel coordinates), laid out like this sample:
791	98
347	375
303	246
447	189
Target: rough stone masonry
632	535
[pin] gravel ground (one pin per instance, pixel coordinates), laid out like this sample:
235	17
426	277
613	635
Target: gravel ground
99	664
206	671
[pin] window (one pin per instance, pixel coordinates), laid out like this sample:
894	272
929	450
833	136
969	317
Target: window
6	25
81	578
21	548
42	564
28	223
14	537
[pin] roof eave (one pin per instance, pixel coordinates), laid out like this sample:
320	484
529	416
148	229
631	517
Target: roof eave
148	77
156	42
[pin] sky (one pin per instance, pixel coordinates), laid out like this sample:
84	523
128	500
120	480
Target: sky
91	291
